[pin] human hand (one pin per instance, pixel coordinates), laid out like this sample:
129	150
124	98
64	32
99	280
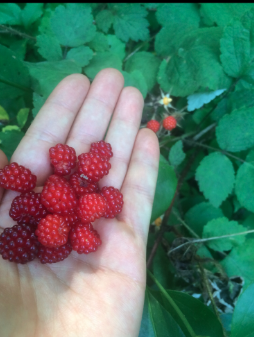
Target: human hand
100	294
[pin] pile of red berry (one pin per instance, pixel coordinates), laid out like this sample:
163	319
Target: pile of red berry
58	220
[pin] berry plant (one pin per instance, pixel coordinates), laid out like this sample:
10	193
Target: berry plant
194	65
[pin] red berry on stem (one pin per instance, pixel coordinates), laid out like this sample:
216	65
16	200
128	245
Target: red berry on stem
82	186
92	167
19	244
153	125
54	255
114	200
169	123
84	238
53	231
91	207
63	158
17	178
102	148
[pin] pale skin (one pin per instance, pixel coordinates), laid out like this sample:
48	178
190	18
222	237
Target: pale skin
102	293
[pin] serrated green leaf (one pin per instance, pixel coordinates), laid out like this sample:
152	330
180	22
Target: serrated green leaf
147	64
220	227
46	75
137	80
14	76
49	47
116	46
22	116
215	176
9	141
104	20
73	24
178	13
235	131
3	115
199	215
31	13
45	23
241	99
239	260
19	47
244	185
197	100
10	13
223	13
243	316
165	188
38	102
81	55
102	60
176	154
99	42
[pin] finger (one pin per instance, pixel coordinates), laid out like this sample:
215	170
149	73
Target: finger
139	185
3	162
51	125
94	116
122	133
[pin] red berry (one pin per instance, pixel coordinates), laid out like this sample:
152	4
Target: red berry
92	167
102	148
153	125
91	207
169	123
82	186
19	244
58	196
114	200
84	239
27	209
53	231
54	255
71	218
17	178
63	158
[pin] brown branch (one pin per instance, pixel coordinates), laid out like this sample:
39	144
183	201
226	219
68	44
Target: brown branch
169	210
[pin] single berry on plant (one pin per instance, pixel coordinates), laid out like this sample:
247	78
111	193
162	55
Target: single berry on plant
153	125
169	123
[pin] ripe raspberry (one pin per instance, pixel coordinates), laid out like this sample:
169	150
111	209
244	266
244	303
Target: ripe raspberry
82	186
84	239
114	200
91	207
54	255
27	209
18	244
17	178
71	218
102	148
92	167
153	125
53	231
63	158
169	123
58	196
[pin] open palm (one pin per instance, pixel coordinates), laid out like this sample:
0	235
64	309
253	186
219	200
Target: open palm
100	294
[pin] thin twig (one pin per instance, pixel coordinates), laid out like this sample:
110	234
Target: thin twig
137	49
12	31
204	131
185	225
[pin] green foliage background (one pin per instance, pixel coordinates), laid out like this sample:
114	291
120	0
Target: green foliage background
203	55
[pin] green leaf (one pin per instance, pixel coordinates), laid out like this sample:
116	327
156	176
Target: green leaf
10	14
46	75
241	99
73	24
162	78
9	141
244	186
199	215
101	61
49	47
81	55
38	102
130	22
19	47
239	262
104	20
220	110
243	317
165	188
220	227
176	154
146	328
22	116
235	131
14	76
10	128
223	13
178	13
147	64
4	117
31	13
161	268
137	80
197	100
116	46
99	42
215	176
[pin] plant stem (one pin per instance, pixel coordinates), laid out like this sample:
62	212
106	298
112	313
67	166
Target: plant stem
15	85
9	30
137	49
